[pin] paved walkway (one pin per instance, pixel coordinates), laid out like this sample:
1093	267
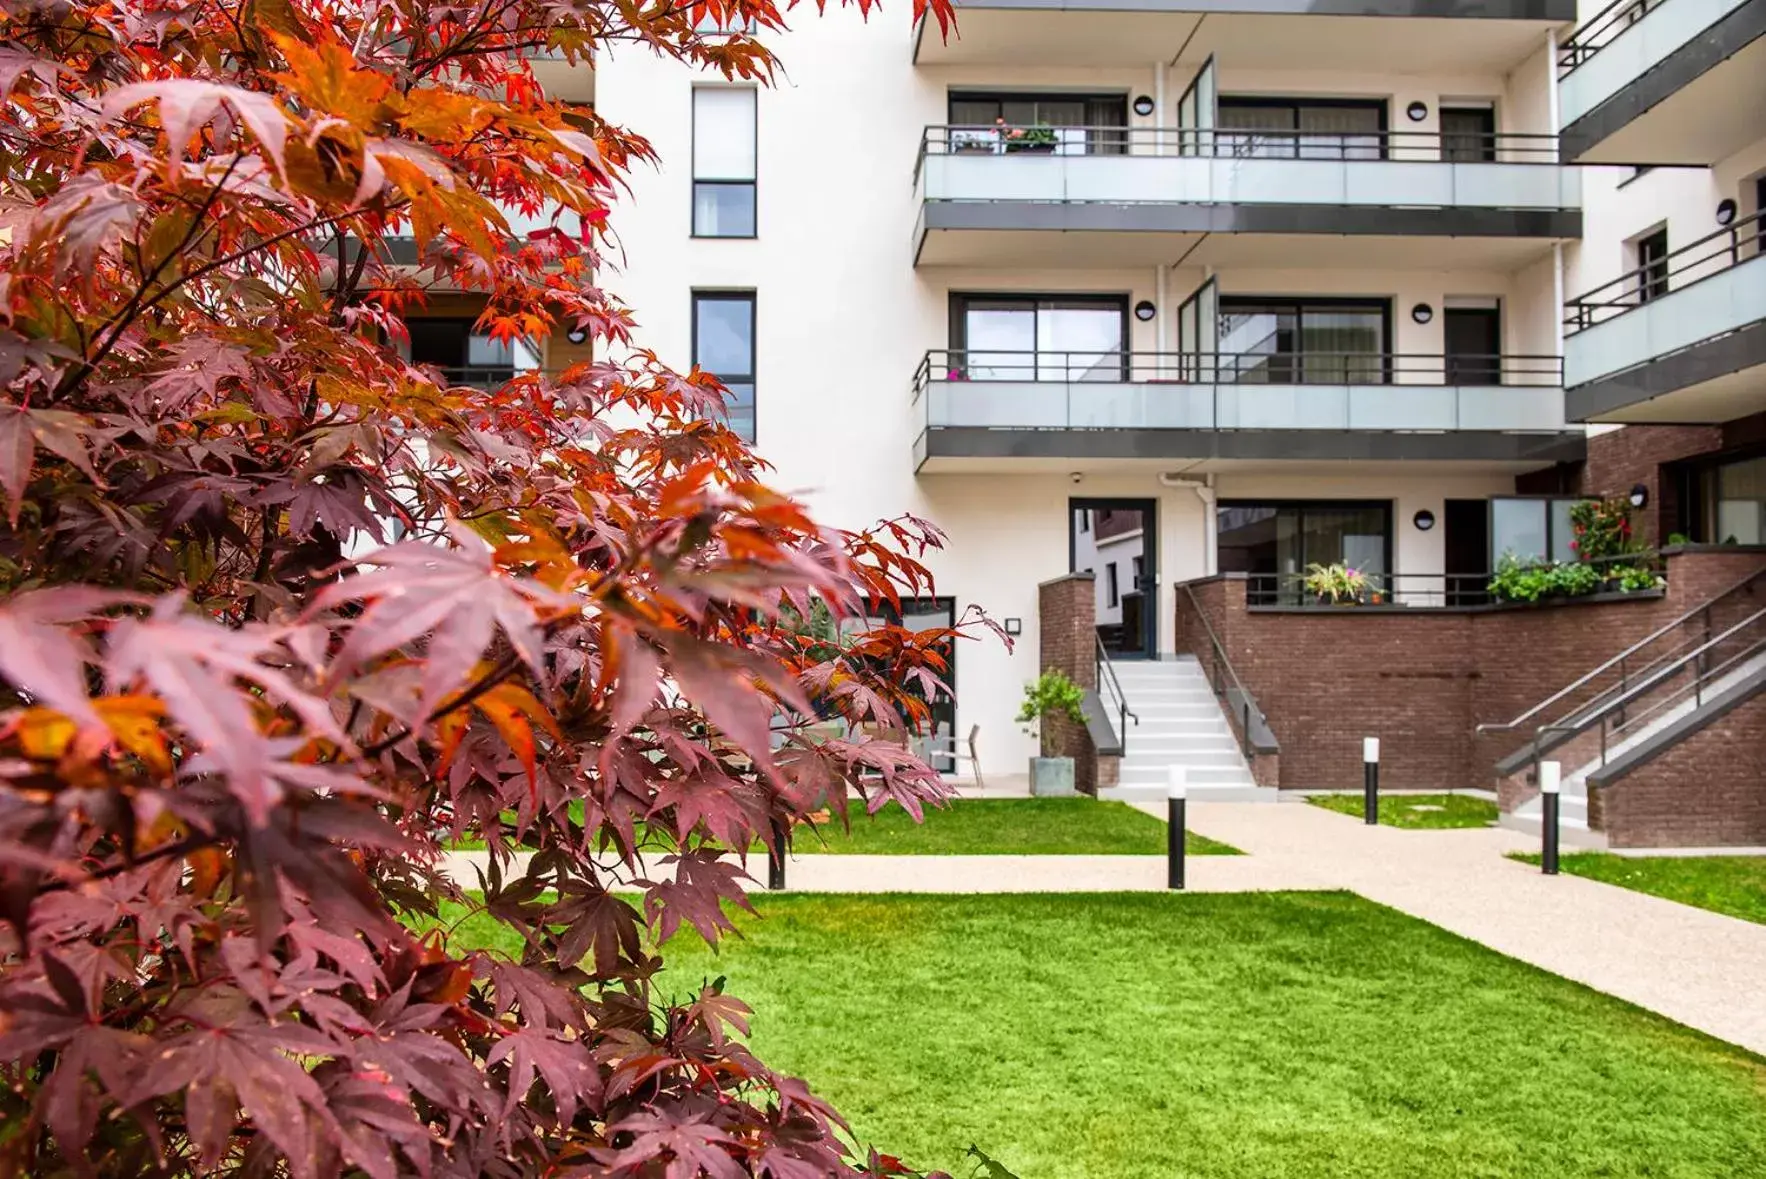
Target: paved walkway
1699	968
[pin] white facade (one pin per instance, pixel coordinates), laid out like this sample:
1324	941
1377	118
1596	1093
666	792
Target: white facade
852	291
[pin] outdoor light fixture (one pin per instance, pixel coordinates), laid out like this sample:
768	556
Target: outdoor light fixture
1143	106
1725	212
1144	310
1639	496
1014	626
1424	520
1418	111
577	335
1422	313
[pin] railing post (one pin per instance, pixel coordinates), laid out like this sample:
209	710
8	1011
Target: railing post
1550	783
1370	781
1176	803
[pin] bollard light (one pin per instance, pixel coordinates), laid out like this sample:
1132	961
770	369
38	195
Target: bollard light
1177	789
1370	780
1370	750
1551	780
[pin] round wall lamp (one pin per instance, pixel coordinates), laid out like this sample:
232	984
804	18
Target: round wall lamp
577	335
1639	496
1143	106
1422	313
1417	111
1145	311
1726	212
1424	520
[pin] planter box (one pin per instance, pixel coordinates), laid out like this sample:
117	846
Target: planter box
1051	777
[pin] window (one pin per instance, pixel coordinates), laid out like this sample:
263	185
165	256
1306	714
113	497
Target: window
1298	128
1732	502
1468	134
1140	571
1084	520
1039	338
1273	543
1084	124
465	356
1311	341
1112	591
723	345
1531	529
723	161
1652	266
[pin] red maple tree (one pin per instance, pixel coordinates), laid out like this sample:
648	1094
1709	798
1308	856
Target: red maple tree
284	614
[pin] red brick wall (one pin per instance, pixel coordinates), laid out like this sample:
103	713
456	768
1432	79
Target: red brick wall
1067	621
1423	680
1676	800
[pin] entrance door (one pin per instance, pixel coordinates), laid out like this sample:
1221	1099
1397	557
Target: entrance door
1115	540
1466	536
1474	345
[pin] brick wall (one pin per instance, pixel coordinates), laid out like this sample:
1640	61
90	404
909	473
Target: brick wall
1067	621
1676	799
1423	680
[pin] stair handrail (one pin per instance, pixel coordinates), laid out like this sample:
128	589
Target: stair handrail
1123	713
1702	674
1619	660
1246	708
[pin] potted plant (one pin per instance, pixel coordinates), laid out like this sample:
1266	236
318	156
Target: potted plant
1336	585
1052	697
1039	137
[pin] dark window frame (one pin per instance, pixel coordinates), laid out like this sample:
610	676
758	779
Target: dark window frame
1652	265
1486	132
1547	499
724	295
1112	585
694	184
1296	302
1259	597
1270	102
959	325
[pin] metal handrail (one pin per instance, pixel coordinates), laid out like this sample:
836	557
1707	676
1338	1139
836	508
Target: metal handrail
1425	590
1727	248
1622	658
1136	366
1246	705
1592	35
1123	713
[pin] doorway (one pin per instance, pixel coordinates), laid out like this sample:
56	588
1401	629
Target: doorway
1466	539
1473	345
1116	541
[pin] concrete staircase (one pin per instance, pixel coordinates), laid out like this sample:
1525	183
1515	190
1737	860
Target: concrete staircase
1573	797
1181	723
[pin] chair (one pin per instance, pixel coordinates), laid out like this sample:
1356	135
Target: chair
942	742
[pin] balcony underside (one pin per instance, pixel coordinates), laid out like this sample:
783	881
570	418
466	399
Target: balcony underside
1428	37
981	450
957	233
1699	105
1715	380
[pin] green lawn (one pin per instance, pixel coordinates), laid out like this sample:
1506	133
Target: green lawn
1416	810
1735	885
1004	826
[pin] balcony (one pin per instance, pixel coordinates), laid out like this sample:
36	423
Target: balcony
1682	339
1458	36
1663	82
1104	196
1002	411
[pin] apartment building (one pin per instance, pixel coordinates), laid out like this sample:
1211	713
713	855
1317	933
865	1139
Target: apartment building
1175	289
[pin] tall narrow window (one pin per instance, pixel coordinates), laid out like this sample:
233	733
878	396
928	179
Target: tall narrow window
1652	266
1112	590
723	345
723	161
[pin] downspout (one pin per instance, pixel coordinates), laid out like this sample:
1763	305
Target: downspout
1159	69
1557	248
1204	489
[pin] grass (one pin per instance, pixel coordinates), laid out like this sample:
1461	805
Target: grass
997	827
1416	811
1149	1036
1733	885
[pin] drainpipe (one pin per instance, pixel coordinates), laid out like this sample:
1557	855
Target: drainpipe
1204	489
1158	106
1551	79
1161	324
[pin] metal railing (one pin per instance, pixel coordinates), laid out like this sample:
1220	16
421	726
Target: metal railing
1436	147
1739	242
1110	691
1599	31
1250	726
1653	661
1238	368
491	376
1426	590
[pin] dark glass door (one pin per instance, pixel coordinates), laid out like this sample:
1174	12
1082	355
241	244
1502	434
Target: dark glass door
1467	542
1115	540
1468	134
1473	345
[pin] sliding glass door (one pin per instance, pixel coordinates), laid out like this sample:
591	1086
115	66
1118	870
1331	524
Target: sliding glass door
1039	338
1083	124
1313	341
1304	129
1274	543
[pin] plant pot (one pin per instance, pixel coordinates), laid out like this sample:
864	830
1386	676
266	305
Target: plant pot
1038	149
1051	777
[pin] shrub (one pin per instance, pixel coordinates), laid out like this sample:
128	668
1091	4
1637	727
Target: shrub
1052	695
1336	583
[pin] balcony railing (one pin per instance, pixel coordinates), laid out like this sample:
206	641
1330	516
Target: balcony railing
1599	31
1624	41
1050	390
1708	257
1453	147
